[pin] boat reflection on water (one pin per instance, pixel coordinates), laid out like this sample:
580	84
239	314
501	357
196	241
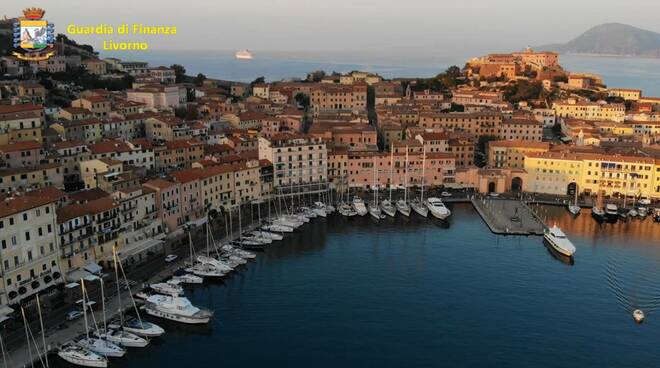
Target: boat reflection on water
558	256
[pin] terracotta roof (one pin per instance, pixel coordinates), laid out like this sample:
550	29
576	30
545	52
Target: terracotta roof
159	184
87	195
67	144
183	143
11	109
109	146
520	144
22	201
21	170
93	207
20	146
186	176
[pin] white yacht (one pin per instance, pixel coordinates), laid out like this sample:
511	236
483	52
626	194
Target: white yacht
141	328
347	210
437	208
176	308
239	252
559	242
320	209
171	287
388	208
611	211
359	206
219	265
268	235
101	346
277	228
308	212
419	207
77	355
638	315
403	207
123	338
188	278
290	221
205	270
375	212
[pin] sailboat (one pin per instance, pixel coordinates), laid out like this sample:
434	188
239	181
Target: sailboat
96	344
345	208
402	204
77	355
133	325
386	205
374	209
118	336
597	211
418	205
574	208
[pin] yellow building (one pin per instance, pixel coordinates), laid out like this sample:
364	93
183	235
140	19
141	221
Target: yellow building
561	173
511	154
89	170
589	110
625	93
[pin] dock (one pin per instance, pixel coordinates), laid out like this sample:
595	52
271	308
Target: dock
508	216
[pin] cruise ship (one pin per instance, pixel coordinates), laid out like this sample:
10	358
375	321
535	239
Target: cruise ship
244	55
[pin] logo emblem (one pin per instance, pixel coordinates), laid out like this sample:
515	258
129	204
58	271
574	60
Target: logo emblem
34	37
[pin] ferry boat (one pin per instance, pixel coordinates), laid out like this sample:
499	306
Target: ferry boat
77	355
244	55
178	309
559	242
437	208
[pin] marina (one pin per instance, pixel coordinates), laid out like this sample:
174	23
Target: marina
432	265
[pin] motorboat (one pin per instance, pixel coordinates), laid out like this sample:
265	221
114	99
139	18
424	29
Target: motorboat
573	209
267	235
140	327
300	217
403	207
308	212
123	338
257	238
359	206
598	213
419	208
633	213
276	228
437	208
559	242
388	208
178	309
347	210
170	287
320	209
638	315
233	260
611	212
188	278
375	212
77	355
101	347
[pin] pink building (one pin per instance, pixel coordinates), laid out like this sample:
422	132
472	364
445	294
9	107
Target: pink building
191	194
21	154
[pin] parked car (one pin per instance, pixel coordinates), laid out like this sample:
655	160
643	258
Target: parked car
171	258
73	315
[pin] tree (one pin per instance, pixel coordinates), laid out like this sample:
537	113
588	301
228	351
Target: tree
315	76
199	79
179	72
302	100
523	90
259	80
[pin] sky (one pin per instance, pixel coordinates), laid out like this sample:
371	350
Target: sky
384	26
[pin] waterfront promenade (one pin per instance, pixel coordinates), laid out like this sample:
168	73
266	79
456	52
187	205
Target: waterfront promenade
508	216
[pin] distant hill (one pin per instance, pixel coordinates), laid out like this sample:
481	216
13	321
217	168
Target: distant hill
612	39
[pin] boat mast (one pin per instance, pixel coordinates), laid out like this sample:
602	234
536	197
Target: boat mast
43	333
391	167
105	327
375	182
114	261
405	178
27	336
423	170
82	288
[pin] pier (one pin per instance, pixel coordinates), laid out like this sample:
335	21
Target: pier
508	216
